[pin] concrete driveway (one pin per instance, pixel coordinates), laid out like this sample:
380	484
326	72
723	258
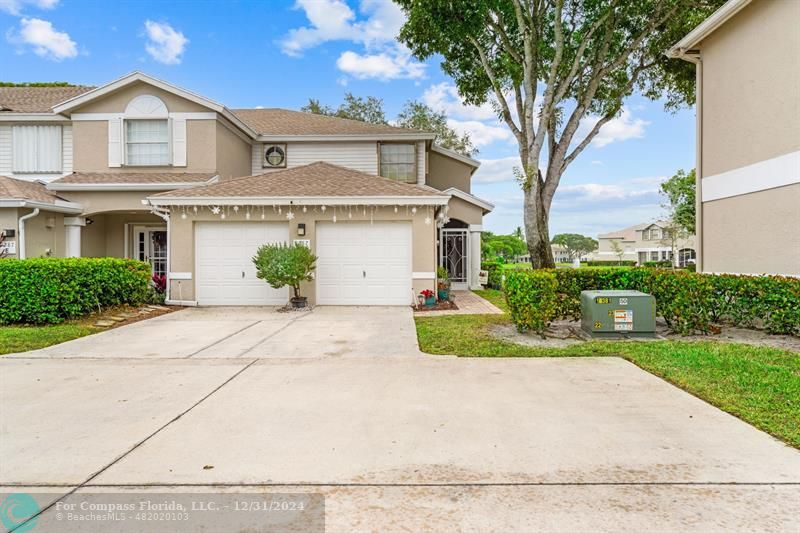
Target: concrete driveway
253	332
393	441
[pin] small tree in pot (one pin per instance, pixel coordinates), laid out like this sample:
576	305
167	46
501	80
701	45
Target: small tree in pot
283	264
443	283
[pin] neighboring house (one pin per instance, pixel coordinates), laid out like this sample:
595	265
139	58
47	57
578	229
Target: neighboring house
140	168
747	56
560	255
650	241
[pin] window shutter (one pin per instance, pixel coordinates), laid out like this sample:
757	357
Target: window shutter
115	142
178	142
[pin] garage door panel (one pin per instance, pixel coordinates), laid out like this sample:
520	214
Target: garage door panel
224	250
348	250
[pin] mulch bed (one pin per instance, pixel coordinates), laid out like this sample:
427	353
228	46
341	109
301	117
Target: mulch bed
446	305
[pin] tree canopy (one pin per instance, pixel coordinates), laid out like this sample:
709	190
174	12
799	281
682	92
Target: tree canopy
557	72
505	247
680	193
415	115
575	244
36	84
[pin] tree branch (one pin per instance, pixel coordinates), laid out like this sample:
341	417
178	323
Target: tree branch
498	90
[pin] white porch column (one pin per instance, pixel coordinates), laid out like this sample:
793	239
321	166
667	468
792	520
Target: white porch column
72	227
474	255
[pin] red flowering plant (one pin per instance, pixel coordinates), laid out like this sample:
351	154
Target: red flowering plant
160	283
427	293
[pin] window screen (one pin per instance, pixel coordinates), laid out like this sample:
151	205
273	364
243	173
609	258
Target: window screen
147	143
397	162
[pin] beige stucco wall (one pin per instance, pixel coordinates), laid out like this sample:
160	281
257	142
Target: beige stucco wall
44	233
233	153
464	211
751	86
105	236
91	148
767	240
445	172
117	101
182	243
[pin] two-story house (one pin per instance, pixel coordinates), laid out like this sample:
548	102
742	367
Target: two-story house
747	61
650	241
140	168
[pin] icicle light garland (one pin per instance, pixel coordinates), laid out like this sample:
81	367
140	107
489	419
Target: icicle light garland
248	212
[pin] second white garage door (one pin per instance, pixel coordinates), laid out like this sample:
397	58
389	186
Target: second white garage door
224	270
362	263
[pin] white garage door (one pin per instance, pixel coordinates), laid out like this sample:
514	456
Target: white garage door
362	263
224	270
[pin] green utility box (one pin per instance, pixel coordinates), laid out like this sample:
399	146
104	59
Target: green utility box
612	314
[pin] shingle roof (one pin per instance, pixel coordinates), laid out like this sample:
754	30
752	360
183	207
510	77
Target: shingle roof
318	179
135	177
15	189
273	121
629	233
36	99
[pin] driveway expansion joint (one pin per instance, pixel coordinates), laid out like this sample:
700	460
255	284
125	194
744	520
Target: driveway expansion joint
226	337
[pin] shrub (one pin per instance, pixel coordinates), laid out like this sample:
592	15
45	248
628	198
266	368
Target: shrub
532	299
688	302
283	264
51	290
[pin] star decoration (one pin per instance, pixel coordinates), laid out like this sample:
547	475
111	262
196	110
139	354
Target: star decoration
215	210
289	215
236	209
427	221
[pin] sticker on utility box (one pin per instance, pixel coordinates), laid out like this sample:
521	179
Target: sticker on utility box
623	320
623	315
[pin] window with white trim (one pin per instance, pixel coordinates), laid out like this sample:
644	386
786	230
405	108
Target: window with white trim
398	162
147	143
37	149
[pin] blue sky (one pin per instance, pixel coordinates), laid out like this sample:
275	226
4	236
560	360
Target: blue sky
278	54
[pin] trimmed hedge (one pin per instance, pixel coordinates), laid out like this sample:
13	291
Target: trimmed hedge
532	299
687	301
51	290
609	263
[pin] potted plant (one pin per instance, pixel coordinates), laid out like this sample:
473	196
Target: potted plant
443	283
283	264
430	297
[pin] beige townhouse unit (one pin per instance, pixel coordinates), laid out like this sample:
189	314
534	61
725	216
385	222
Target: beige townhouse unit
141	168
650	241
747	60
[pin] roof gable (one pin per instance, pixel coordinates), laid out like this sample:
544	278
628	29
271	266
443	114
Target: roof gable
318	180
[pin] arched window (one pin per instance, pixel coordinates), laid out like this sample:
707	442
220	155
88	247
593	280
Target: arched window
147	132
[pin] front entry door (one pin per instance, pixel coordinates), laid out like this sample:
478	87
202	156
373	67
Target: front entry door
453	256
151	246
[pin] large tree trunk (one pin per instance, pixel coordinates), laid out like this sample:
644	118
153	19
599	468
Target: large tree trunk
537	231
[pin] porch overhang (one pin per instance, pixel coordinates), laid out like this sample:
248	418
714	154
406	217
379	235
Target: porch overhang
60	206
487	207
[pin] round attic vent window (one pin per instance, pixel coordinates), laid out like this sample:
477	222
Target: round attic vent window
275	156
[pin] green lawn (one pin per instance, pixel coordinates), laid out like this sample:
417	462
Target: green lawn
759	385
23	338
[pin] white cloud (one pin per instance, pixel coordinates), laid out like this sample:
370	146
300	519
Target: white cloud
481	133
45	40
14	7
333	20
164	43
390	64
621	128
496	170
444	97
